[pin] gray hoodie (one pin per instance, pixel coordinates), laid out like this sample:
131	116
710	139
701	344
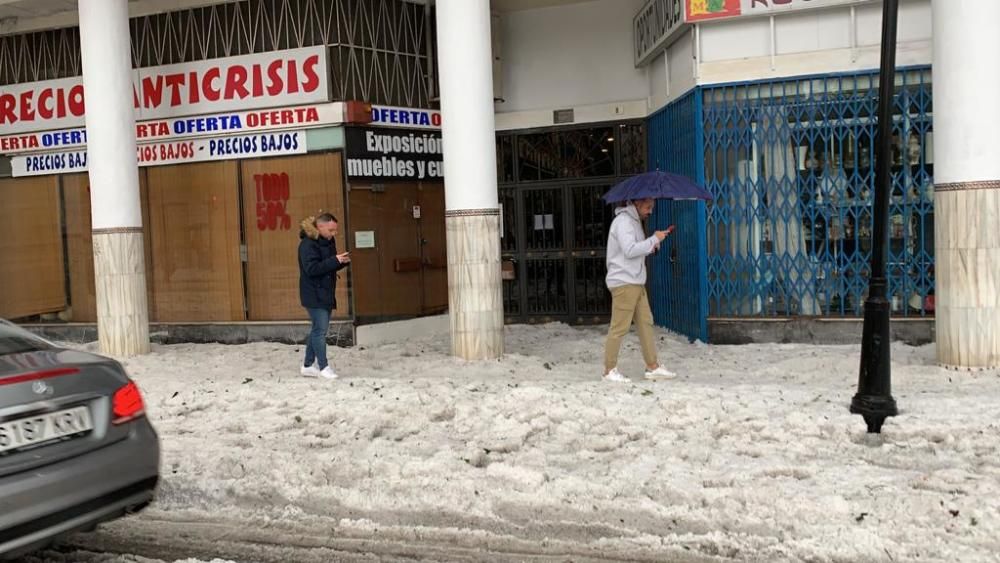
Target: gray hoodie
627	249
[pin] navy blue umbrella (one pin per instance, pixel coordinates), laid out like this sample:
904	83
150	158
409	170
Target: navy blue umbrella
656	185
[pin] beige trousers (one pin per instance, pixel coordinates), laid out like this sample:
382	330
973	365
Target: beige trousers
628	303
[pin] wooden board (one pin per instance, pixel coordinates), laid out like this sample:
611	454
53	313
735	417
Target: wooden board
80	245
381	288
194	231
32	272
277	194
435	248
365	265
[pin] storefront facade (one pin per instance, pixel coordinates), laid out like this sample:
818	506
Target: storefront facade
397	224
769	105
240	136
785	142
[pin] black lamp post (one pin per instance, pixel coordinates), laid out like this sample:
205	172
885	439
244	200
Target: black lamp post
874	398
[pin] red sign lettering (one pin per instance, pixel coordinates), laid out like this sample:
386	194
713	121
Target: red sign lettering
18	143
296	76
273	191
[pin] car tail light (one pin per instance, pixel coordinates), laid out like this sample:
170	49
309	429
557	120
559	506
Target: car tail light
127	404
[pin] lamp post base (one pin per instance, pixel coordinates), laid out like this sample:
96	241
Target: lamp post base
874	409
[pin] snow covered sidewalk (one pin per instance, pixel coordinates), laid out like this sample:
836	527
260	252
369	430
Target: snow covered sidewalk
750	455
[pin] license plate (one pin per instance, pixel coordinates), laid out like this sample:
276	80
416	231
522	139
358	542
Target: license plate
35	430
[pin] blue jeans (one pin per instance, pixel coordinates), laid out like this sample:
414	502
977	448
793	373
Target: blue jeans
316	342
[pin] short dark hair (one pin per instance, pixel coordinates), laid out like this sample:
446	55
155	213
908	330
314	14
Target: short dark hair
326	218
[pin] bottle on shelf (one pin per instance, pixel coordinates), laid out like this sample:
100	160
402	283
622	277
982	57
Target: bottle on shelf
913	150
865	237
836	228
896	223
811	163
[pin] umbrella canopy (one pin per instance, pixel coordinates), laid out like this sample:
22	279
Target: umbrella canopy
656	185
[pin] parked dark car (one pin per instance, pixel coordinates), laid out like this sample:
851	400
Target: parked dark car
76	448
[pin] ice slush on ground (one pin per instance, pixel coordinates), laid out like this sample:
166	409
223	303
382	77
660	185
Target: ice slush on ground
750	454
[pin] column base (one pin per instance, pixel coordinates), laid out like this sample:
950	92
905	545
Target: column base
967	274
120	283
475	290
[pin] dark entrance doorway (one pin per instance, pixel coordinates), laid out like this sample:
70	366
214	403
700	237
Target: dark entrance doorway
554	222
399	256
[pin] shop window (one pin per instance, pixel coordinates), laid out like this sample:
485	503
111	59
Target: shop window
544	210
505	159
539	156
591	216
546	286
555	224
592	297
792	166
588	153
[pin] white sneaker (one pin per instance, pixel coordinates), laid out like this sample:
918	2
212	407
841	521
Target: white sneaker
659	373
311	371
328	373
616	376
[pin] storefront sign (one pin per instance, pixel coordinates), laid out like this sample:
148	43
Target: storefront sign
389	116
384	153
656	25
170	152
187	127
279	78
701	10
34	142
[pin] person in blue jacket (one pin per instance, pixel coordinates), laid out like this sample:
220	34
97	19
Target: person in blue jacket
319	263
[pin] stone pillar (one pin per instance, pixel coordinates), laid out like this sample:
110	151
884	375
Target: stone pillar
475	293
119	263
967	182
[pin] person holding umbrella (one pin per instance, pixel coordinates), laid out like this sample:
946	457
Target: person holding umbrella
628	247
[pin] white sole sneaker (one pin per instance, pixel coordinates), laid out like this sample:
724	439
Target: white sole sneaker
653	377
659	374
309	372
615	376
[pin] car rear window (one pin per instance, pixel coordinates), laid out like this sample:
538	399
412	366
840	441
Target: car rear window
14	340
